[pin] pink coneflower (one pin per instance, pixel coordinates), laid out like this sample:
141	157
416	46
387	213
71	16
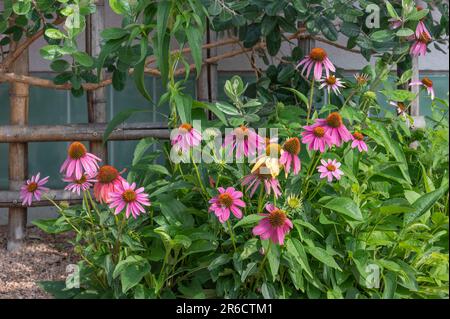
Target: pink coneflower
422	29
330	169
246	141
125	196
290	155
358	141
78	185
79	161
262	175
275	225
427	83
335	128
33	187
108	178
419	47
316	139
332	83
318	59
186	137
228	200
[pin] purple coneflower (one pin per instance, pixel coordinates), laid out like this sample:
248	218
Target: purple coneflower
33	187
228	201
275	225
128	197
317	59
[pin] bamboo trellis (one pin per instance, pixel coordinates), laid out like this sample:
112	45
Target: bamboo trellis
14	70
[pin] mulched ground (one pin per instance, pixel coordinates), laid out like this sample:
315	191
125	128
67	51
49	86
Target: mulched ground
42	257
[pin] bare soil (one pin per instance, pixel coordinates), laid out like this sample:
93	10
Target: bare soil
42	257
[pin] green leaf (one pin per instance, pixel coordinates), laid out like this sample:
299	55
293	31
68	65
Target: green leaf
21	7
381	35
251	219
346	207
52	226
162	38
158	169
59	65
227	108
119	119
50	52
300	95
405	32
131	271
120	6
211	107
195	39
296	250
113	33
273	257
323	256
417	15
139	79
425	202
54	34
183	104
84	59
391	10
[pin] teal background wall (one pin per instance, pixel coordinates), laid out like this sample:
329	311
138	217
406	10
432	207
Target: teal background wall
59	107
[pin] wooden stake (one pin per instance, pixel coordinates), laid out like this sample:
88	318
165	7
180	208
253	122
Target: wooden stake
96	100
18	153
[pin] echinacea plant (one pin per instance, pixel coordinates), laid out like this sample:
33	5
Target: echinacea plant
253	213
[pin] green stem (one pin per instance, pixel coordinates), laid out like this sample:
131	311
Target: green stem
261	199
232	235
311	96
204	192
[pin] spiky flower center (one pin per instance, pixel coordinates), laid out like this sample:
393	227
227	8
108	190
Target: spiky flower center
76	150
331	80
292	146
277	218
319	131
427	82
107	174
334	120
424	38
129	196
186	127
361	79
273	150
358	136
82	180
241	132
294	202
318	54
226	200
331	167
32	187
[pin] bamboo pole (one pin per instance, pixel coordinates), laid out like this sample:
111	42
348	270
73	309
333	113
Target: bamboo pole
18	153
81	132
96	99
11	199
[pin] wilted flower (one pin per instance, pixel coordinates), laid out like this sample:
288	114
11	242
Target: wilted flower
427	83
79	161
77	185
332	83
395	23
254	180
128	197
33	187
270	160
358	141
317	59
107	179
186	137
290	155
275	225
330	169
228	200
